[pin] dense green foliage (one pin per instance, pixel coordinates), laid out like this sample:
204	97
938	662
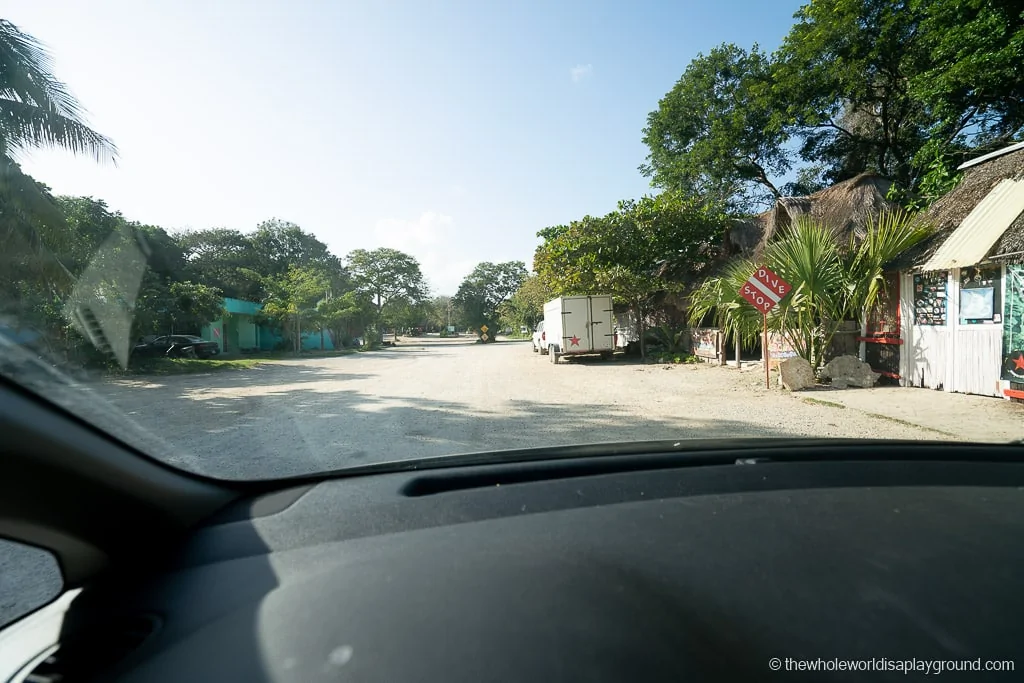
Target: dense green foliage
482	293
642	250
886	86
526	306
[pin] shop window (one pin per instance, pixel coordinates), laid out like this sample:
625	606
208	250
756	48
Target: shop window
980	296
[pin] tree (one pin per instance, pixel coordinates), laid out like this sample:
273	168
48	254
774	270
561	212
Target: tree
716	133
278	245
387	275
831	283
637	290
292	298
526	306
345	315
166	307
36	110
485	289
657	244
971	83
439	312
224	259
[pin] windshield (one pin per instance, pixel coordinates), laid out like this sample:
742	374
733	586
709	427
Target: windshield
264	240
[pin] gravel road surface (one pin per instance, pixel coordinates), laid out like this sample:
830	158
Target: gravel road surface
439	397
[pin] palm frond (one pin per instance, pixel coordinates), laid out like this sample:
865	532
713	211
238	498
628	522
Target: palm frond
720	295
36	109
888	235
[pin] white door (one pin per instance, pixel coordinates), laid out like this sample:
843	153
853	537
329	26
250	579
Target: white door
575	325
927	354
602	323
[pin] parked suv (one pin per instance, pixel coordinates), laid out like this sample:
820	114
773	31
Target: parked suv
540	340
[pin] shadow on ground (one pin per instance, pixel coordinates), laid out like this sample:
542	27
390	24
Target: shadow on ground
298	430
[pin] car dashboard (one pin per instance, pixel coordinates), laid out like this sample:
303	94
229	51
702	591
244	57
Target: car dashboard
625	568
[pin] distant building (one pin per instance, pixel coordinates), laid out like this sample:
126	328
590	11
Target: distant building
240	330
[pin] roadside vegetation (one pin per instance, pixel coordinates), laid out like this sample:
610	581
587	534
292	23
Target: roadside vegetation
902	89
185	366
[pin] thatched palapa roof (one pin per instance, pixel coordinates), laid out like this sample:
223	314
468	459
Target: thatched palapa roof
845	207
950	210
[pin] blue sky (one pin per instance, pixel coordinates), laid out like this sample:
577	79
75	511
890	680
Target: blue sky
451	130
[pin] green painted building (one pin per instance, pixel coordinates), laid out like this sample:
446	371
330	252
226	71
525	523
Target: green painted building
238	330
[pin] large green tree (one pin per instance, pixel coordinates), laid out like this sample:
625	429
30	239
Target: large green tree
346	314
387	276
224	259
484	290
278	245
291	301
972	83
526	306
645	248
888	85
716	131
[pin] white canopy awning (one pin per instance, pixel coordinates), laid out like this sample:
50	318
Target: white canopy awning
971	242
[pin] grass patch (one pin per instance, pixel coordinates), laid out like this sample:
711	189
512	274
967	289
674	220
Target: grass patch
187	366
673	358
819	402
906	423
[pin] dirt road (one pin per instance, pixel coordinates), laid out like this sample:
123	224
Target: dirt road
438	397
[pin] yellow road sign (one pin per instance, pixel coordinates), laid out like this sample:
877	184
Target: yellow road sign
483	328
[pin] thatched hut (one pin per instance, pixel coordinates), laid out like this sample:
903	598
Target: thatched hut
962	289
846	207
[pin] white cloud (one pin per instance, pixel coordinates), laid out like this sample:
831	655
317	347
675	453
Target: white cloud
427	230
581	72
432	240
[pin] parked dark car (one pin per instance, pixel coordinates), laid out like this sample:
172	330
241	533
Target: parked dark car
177	346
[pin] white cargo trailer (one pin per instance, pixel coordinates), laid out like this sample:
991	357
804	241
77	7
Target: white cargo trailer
578	325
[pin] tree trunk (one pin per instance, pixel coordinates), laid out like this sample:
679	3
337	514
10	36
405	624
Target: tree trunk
641	330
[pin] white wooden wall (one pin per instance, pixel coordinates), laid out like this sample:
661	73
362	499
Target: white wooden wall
978	355
954	357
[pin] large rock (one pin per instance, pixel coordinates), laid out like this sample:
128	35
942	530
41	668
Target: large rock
796	374
849	371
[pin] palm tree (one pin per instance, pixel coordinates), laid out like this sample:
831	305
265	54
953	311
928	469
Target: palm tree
830	284
36	111
806	256
888	236
720	296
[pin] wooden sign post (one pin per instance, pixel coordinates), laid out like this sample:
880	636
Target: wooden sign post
764	290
